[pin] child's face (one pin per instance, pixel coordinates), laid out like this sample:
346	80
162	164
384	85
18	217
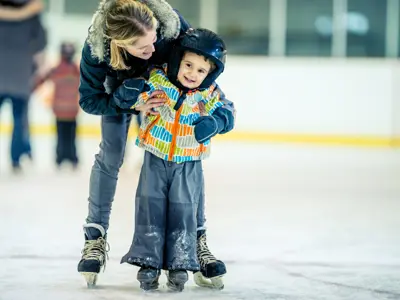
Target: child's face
193	70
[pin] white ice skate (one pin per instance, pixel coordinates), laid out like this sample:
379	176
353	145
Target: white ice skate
211	269
212	283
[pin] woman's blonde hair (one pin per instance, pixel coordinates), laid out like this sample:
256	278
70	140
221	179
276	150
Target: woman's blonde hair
125	22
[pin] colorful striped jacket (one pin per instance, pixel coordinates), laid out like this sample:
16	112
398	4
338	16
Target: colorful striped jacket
170	135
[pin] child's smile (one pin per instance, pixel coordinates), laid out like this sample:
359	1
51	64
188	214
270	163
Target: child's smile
193	70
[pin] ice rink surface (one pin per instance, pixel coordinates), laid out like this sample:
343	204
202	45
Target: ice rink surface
292	222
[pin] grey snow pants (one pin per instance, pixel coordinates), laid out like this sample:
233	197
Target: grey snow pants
104	175
166	204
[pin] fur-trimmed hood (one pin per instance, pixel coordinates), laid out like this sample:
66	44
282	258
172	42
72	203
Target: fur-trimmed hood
169	25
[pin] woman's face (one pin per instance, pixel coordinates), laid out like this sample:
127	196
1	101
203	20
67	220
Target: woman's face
144	46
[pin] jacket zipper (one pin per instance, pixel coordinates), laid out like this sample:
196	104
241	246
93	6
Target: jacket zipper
178	107
174	133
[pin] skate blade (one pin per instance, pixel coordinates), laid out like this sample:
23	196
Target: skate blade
178	284
175	287
91	279
212	283
149	287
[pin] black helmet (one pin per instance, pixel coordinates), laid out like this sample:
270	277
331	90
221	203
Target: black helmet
203	42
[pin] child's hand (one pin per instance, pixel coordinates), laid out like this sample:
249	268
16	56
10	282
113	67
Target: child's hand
205	128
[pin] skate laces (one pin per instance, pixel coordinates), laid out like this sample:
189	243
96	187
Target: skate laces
204	255
96	250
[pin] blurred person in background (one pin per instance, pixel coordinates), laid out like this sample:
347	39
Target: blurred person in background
22	41
125	38
65	103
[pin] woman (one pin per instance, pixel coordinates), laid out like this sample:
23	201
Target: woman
126	36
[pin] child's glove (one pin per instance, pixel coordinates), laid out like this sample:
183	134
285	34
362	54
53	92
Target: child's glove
126	95
206	127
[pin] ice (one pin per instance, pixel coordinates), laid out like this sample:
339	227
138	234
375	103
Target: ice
292	222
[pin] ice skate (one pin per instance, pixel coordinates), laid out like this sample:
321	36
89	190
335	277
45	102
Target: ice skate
148	278
211	269
176	280
94	253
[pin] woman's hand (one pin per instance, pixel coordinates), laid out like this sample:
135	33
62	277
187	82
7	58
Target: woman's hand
18	14
155	100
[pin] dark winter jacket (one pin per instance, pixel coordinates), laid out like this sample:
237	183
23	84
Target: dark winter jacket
19	42
99	80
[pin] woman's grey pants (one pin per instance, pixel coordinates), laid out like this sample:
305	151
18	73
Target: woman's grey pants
104	175
165	215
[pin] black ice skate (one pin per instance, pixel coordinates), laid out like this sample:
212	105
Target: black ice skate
176	280
148	278
94	253
211	269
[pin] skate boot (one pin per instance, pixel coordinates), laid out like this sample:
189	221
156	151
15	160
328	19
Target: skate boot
148	278
211	269
94	253
176	280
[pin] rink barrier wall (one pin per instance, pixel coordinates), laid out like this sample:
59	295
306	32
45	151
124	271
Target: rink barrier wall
350	102
88	131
